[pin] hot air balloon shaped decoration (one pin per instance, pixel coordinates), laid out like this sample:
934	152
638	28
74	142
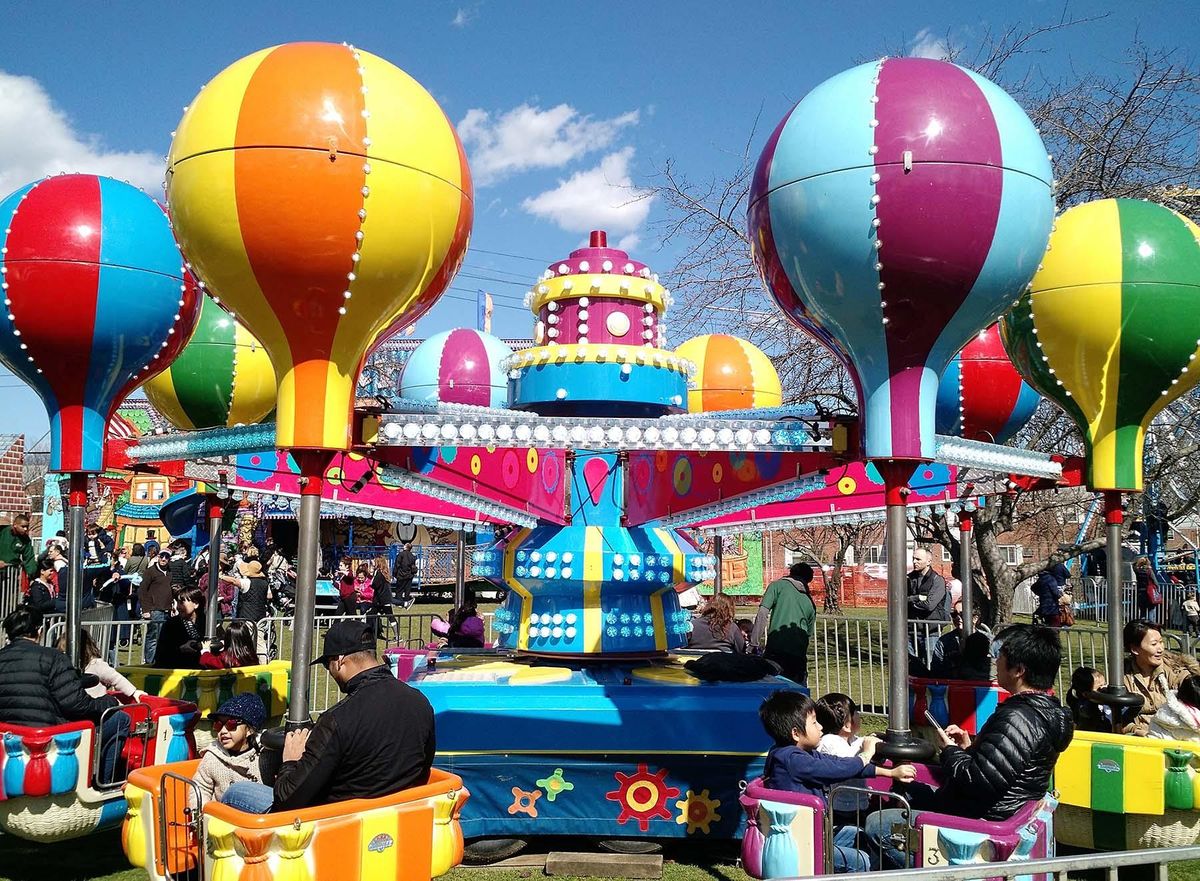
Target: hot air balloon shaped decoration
324	194
1110	328
981	396
897	211
221	379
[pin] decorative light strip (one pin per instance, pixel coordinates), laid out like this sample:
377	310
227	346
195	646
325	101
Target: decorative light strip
791	411
994	457
197	444
778	493
281	500
394	476
865	517
511	428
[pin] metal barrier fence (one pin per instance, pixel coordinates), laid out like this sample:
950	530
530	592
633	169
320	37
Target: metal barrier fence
10	590
847	655
1091	602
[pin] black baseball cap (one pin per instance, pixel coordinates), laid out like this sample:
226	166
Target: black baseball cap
346	638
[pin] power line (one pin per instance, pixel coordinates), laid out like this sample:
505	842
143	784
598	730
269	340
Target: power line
513	256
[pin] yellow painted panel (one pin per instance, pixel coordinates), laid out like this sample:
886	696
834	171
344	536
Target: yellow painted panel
1092	229
1073	774
593	577
379	862
1145	775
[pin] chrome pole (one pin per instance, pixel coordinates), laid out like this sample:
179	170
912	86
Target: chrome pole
308	558
78	507
215	516
965	531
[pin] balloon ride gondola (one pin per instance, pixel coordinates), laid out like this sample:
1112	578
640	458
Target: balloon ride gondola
332	153
1109	330
895	212
96	300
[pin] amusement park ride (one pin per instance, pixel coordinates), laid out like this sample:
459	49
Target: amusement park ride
897	212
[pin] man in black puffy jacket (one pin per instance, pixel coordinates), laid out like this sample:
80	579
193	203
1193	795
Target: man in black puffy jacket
1011	759
39	687
376	741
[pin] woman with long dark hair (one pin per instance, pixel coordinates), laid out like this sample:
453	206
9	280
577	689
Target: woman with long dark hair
715	630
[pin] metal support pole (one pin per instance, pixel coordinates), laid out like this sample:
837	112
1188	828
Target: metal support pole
965	524
898	742
308	559
78	507
216	513
719	553
460	569
1113	517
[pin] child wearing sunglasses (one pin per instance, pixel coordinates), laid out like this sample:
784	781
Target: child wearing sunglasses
233	755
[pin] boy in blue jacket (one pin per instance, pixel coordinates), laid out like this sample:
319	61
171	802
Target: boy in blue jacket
794	765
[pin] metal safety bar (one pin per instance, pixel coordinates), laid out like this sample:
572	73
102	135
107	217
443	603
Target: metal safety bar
1059	867
191	828
883	796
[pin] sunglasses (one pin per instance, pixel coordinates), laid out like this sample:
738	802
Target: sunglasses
326	662
220	724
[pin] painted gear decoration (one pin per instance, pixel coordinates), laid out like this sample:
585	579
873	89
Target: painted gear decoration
698	811
642	796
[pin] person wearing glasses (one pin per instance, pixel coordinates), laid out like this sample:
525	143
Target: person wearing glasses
376	741
233	755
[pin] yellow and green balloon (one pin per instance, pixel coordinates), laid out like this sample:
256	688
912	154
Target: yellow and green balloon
222	378
1110	327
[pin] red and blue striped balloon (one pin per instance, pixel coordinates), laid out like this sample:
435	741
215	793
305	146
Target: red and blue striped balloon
898	210
982	396
95	302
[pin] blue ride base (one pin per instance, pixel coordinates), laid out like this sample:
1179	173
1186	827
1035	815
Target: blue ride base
637	749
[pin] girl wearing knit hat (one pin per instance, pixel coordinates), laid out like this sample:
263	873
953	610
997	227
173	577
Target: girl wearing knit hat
233	755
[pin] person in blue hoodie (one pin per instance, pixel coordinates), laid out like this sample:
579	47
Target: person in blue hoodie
794	765
1048	588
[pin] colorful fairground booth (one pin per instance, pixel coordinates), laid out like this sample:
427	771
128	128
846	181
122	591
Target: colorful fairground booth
603	448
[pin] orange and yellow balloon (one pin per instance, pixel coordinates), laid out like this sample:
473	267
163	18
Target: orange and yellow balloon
323	193
731	374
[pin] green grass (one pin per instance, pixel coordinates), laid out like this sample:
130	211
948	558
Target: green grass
99	858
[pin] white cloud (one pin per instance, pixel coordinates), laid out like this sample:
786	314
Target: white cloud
927	45
463	17
37	139
528	137
629	242
603	197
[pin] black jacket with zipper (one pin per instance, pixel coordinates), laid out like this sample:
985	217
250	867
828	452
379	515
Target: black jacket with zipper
39	687
1009	762
377	740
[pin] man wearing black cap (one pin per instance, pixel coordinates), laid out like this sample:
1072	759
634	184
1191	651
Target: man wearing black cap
377	740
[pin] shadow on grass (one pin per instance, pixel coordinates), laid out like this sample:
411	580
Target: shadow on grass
93	858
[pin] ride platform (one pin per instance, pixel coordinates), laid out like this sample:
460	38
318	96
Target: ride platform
620	749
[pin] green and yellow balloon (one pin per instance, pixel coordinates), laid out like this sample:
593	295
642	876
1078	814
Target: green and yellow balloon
222	378
1110	327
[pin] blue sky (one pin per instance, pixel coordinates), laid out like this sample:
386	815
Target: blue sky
567	109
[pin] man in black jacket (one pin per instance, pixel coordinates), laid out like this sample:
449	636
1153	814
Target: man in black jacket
404	572
39	687
1011	759
928	601
376	741
154	595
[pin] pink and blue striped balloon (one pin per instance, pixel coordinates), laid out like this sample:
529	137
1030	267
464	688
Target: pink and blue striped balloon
895	212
